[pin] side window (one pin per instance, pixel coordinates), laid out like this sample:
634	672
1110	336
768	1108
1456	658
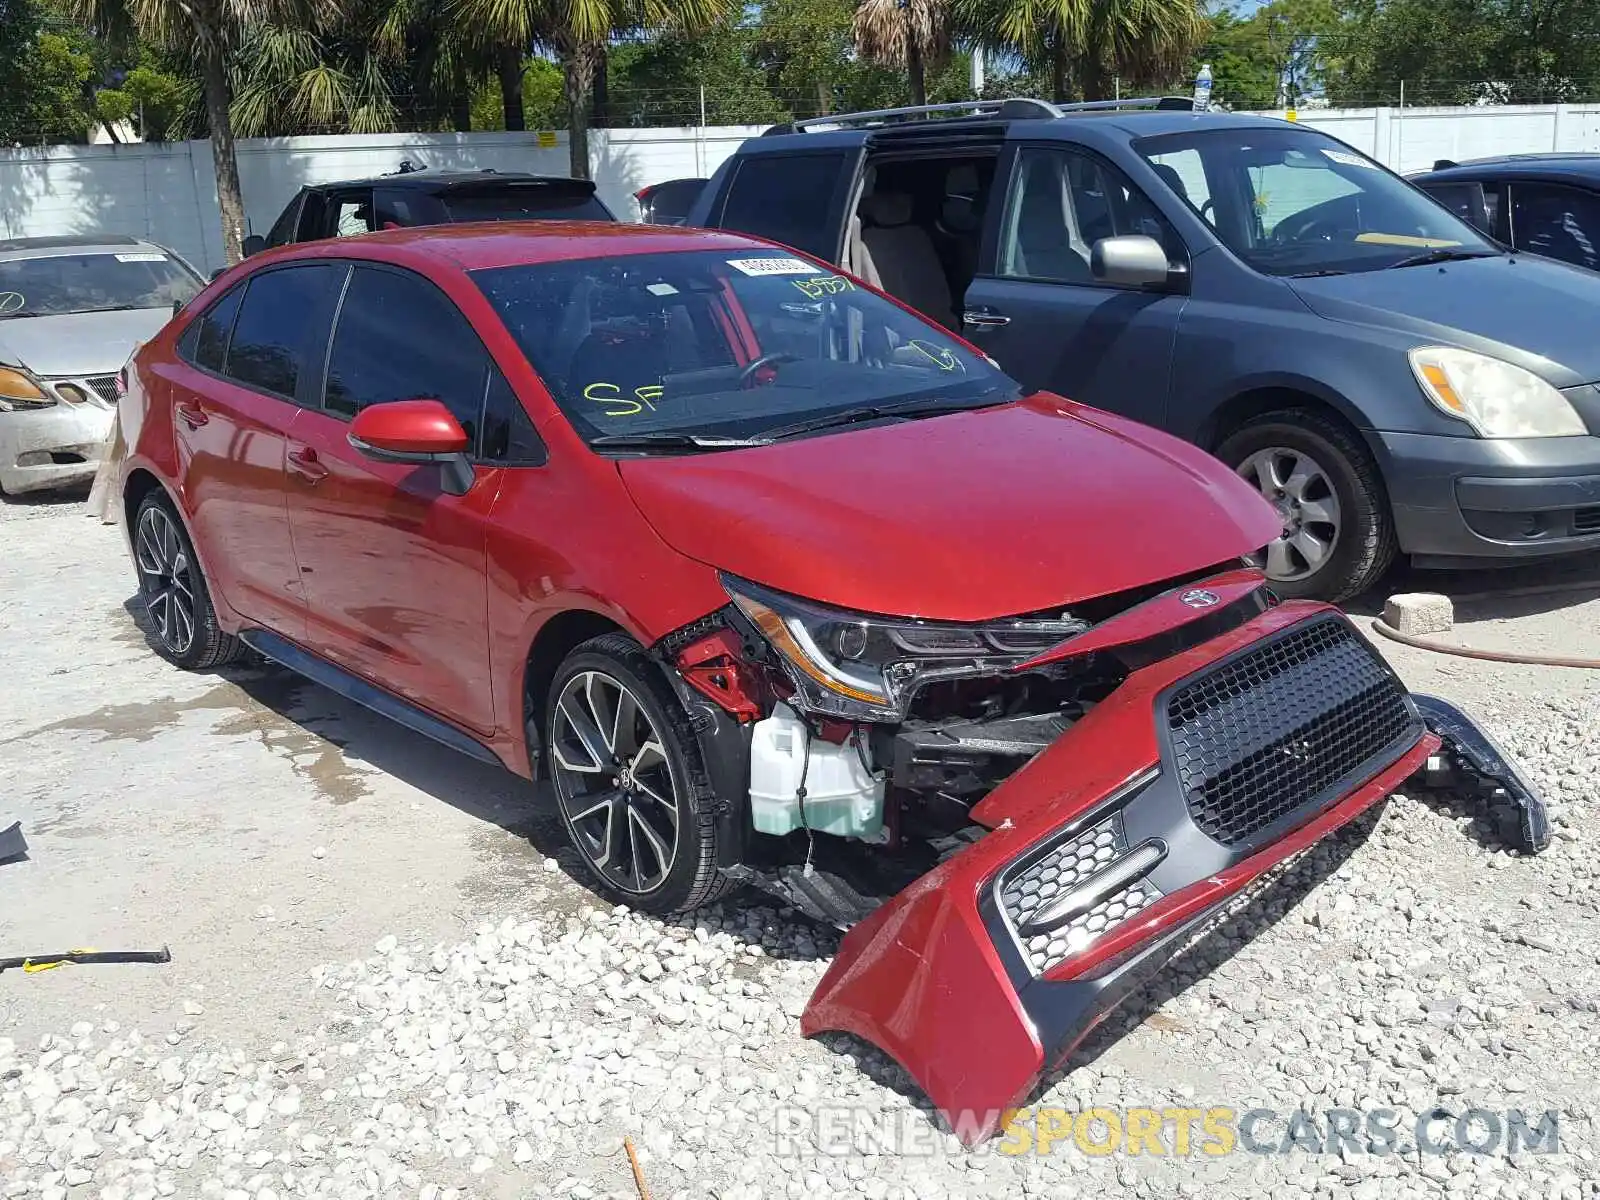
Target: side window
1184	172
400	338
787	197
282	231
1559	222
350	213
1463	199
1065	202
281	326
205	343
508	433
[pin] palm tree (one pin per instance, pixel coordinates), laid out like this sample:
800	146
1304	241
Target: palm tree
206	30
576	32
910	34
1149	40
376	66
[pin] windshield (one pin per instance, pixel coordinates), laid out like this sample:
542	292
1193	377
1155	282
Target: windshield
1294	202
56	284
533	202
724	344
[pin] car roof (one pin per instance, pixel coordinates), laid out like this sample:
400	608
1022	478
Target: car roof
474	246
1571	167
1131	123
436	181
12	249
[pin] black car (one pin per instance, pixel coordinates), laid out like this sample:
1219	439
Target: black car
668	203
420	197
1545	204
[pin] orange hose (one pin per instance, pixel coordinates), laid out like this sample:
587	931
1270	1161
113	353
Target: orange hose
1499	656
638	1172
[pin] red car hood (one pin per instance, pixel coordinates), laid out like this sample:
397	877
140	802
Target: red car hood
964	517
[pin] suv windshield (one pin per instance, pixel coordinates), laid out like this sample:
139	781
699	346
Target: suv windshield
726	344
1295	202
524	202
55	284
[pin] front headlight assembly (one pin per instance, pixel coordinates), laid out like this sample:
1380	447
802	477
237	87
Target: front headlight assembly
1497	398
865	668
19	391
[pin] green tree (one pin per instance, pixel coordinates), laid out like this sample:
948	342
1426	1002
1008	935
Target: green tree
1466	51
1280	53
576	33
658	81
149	97
205	31
910	35
1084	44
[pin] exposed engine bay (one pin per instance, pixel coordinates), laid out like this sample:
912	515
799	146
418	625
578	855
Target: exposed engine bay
867	741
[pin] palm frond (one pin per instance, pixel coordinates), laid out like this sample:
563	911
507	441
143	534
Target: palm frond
885	32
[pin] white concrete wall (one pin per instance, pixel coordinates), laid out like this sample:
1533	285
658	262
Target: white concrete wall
1413	139
167	191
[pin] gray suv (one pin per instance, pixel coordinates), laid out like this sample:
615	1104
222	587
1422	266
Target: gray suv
1390	378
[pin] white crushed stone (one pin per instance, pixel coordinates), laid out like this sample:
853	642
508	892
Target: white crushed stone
1424	969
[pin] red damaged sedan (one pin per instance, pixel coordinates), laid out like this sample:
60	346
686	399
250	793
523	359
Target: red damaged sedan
783	587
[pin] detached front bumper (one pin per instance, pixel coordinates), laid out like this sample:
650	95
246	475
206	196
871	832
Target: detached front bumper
51	447
1201	773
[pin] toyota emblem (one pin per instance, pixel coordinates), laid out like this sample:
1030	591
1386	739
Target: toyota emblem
1199	598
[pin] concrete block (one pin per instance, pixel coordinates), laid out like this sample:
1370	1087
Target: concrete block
1418	613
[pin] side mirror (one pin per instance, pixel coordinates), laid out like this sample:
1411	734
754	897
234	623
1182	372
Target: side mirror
1133	260
254	244
415	431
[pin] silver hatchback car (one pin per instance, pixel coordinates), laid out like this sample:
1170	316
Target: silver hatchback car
72	309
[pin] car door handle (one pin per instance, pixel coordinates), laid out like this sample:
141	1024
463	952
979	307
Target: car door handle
192	415
984	318
305	464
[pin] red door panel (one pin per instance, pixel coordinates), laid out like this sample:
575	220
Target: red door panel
393	571
231	445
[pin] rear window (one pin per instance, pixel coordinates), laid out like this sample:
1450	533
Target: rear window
530	202
788	198
729	343
53	285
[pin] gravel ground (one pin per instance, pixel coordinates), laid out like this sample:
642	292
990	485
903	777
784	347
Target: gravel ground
387	981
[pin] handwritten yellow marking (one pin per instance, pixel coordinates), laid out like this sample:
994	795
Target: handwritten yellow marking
824	285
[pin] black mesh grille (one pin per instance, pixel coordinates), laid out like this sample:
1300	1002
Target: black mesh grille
105	386
1273	730
1586	520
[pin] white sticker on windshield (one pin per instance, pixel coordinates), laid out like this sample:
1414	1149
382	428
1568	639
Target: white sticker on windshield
141	257
773	266
1349	159
661	289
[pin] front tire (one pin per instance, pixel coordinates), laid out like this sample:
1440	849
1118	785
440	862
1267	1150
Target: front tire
183	621
1338	536
630	782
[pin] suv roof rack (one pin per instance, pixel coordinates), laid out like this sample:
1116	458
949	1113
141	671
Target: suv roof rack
1014	109
1018	108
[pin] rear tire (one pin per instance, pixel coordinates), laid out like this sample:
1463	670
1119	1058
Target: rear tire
630	783
183	621
1318	474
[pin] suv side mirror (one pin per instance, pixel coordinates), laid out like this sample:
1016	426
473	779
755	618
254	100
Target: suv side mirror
415	431
254	244
1133	260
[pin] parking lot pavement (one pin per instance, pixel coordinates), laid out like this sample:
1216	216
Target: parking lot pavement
380	985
